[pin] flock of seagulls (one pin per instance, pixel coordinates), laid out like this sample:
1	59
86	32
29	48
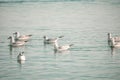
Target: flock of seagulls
15	43
54	41
113	41
17	40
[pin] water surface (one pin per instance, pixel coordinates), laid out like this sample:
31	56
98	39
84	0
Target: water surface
83	23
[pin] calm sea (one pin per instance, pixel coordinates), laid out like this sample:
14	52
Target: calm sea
84	23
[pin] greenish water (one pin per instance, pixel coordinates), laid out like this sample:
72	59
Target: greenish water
83	23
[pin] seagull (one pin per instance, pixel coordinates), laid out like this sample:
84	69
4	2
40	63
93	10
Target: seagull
15	43
21	56
51	40
21	37
61	48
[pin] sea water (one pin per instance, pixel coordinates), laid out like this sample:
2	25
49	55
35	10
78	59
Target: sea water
84	23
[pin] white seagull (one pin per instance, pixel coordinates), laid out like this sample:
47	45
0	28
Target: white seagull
61	48
21	37
51	40
21	57
15	43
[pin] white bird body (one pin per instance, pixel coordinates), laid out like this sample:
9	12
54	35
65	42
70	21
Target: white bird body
50	40
21	57
61	48
15	43
65	47
117	39
114	44
21	37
